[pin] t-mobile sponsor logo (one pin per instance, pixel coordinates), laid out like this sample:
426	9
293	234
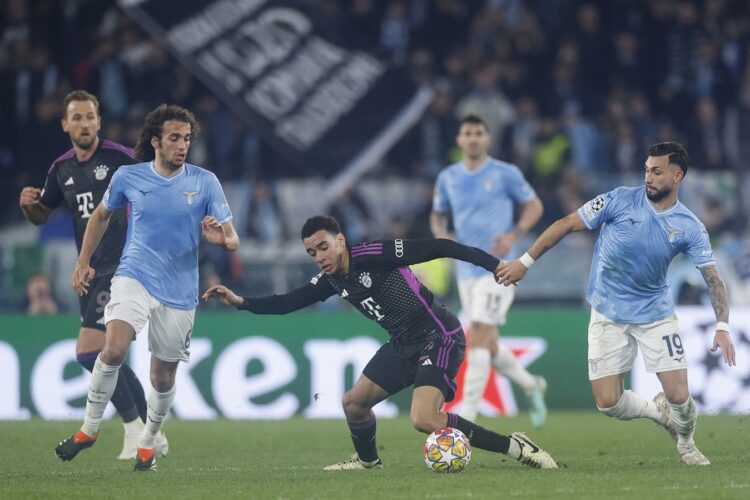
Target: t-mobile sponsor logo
372	308
85	204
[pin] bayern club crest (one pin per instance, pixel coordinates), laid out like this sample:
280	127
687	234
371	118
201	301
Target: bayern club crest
100	172
365	279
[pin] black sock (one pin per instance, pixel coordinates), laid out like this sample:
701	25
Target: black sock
122	399
136	389
479	437
363	437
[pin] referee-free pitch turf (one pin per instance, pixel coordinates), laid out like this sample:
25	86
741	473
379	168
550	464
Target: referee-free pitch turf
601	458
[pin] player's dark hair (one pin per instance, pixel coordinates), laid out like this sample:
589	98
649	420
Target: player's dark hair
473	120
677	154
79	95
153	126
318	222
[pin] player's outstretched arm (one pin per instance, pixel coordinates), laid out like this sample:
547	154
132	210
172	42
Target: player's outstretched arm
224	295
271	304
720	302
510	273
95	228
32	208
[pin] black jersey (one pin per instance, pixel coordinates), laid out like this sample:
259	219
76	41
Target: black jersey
80	186
381	286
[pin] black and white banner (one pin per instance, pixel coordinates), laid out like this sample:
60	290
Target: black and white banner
715	386
286	71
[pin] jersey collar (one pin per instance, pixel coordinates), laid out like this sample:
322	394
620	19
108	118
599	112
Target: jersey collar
168	179
657	212
481	167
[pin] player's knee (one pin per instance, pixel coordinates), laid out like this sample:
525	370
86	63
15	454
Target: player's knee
354	408
678	395
162	382
112	356
608	404
425	422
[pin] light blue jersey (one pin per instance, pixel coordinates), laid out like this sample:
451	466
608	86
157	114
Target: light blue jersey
161	250
481	203
628	281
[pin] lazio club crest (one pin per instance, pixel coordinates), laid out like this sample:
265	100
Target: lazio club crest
189	196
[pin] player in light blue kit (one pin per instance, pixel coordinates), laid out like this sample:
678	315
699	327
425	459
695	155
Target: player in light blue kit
171	202
480	193
642	230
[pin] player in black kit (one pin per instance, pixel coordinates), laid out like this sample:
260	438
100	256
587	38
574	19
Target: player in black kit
78	180
426	344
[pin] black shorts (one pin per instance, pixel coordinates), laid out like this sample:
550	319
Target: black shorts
92	303
434	363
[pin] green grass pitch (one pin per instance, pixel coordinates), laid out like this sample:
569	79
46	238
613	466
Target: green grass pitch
601	457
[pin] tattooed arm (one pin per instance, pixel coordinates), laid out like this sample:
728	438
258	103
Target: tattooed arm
720	302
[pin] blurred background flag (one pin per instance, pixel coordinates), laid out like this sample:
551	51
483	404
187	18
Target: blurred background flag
292	74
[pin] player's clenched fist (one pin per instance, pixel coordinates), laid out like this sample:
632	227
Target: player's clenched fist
224	294
28	196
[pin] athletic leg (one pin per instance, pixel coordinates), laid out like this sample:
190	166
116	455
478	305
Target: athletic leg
683	416
103	381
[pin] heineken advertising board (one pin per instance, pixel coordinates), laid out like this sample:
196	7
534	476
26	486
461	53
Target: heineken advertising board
271	367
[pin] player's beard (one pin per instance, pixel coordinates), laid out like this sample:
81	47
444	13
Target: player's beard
659	194
171	165
85	142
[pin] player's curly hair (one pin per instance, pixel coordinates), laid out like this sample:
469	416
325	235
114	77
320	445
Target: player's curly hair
318	222
677	154
153	126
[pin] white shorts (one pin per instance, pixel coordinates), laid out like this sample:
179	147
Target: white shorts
169	329
484	301
613	346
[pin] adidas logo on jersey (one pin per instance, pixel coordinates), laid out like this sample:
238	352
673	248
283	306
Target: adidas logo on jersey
427	362
344	294
69	182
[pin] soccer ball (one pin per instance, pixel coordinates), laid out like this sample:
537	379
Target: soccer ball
447	450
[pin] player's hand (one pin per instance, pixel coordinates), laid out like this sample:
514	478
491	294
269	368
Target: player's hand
502	243
81	278
29	195
213	231
723	341
510	272
224	294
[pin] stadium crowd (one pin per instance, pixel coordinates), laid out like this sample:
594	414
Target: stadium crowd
573	92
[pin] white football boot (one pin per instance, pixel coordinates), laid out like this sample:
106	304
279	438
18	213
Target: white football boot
532	455
354	463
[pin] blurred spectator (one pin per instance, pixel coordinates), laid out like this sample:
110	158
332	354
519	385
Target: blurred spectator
394	32
436	133
521	136
39	297
350	209
264	221
489	103
705	137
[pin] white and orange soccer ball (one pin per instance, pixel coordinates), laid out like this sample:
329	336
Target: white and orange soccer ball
447	450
